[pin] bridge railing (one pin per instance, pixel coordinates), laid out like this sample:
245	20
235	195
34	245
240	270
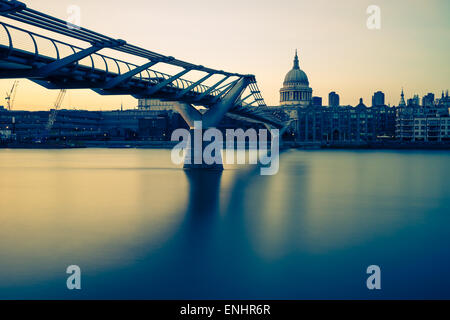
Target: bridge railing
45	46
42	49
16	38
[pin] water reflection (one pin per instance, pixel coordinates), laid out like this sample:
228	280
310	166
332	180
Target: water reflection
142	228
204	191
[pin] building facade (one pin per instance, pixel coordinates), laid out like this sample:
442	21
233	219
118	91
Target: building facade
345	124
155	104
91	125
429	122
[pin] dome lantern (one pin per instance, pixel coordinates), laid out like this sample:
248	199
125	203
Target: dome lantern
296	62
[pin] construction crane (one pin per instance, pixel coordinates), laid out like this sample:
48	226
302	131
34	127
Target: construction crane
54	111
11	96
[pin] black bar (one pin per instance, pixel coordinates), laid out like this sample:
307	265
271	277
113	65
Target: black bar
229	309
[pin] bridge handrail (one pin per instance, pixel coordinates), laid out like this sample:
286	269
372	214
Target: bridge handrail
20	12
181	83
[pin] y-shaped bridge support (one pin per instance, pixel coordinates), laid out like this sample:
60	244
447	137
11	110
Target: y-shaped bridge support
199	122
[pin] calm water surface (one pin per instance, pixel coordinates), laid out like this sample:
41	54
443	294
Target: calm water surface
140	227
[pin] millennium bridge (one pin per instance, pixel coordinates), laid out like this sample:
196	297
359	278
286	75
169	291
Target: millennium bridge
58	55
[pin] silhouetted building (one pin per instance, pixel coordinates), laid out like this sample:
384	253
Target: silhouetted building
378	99
428	100
415	101
317	101
402	102
333	99
444	101
361	103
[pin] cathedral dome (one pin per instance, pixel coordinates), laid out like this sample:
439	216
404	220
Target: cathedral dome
296	76
296	90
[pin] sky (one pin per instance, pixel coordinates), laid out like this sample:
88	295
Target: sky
336	49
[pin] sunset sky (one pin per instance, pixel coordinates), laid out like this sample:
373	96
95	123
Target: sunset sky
336	49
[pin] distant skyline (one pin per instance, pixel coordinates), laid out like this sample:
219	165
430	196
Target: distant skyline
336	49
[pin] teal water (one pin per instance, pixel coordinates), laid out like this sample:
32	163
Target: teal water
139	227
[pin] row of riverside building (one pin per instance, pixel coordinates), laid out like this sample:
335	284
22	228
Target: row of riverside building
335	124
310	121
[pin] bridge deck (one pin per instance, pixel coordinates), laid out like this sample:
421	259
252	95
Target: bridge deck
55	64
18	63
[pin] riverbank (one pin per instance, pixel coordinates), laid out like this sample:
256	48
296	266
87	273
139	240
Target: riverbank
121	144
392	146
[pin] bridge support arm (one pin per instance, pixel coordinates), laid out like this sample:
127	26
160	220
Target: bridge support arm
204	94
126	76
218	110
161	85
191	87
225	89
189	113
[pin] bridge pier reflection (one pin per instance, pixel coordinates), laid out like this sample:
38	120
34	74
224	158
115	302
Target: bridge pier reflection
204	191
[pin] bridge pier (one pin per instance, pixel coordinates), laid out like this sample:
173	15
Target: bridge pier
195	151
194	158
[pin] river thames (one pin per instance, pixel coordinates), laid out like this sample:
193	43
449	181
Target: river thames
140	227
